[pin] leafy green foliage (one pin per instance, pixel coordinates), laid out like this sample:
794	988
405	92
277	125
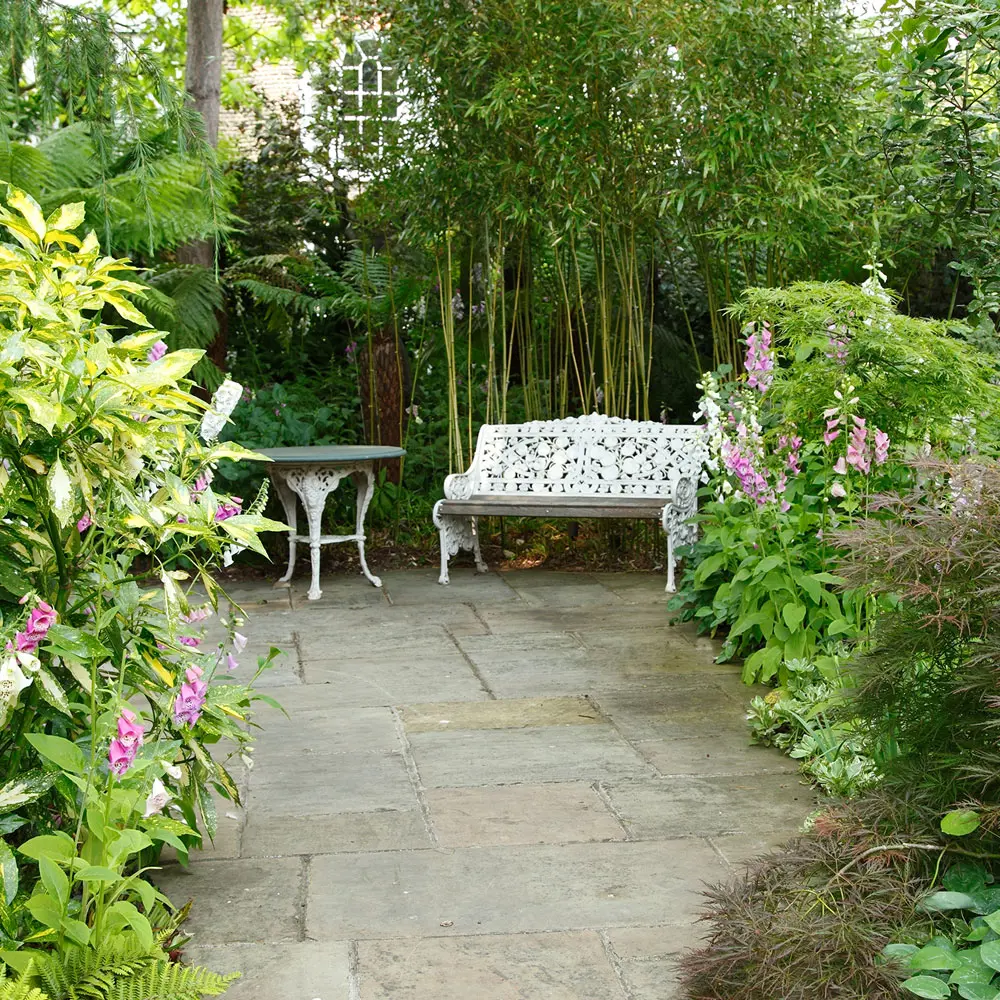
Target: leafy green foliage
765	566
936	96
965	960
105	481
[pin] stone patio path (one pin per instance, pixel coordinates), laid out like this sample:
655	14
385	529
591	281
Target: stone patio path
512	788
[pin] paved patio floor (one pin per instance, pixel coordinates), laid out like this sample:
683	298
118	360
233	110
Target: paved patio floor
512	788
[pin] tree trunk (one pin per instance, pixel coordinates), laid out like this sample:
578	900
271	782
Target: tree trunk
203	82
384	376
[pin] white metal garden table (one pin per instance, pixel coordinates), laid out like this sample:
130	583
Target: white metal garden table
312	473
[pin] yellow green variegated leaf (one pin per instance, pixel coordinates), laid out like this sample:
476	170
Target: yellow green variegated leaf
42	410
25	788
61	493
125	309
29	208
168	369
67	216
8	873
52	692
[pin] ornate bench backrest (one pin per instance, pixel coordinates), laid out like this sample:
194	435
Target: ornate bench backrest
592	455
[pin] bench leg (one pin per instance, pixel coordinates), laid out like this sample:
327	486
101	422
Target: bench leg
481	566
456	533
671	586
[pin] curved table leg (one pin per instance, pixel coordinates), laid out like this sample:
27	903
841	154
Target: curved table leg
365	483
288	502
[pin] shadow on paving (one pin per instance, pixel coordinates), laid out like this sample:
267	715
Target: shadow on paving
512	787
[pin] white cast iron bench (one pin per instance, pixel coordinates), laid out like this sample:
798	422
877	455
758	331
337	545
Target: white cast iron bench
590	466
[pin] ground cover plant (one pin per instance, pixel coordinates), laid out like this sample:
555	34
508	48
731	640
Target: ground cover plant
117	724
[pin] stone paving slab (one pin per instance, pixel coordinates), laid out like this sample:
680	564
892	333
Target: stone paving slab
694	806
570	966
251	899
270	834
545	589
513	713
420	587
396	677
508	756
714	754
302	970
505	890
563	813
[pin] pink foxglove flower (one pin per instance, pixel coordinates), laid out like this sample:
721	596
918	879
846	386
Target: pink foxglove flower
200	485
197	615
120	757
231	662
857	447
881	446
130	731
759	361
189	703
40	619
831	434
837	490
156	351
190	640
228	510
84	523
840	466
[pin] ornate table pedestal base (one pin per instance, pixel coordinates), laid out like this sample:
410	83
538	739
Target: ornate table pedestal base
312	484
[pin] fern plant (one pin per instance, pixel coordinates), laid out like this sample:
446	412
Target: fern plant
115	971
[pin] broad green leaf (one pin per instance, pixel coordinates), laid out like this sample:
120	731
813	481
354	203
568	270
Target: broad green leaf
62	753
54	879
26	788
793	614
76	643
58	846
76	930
900	950
977	991
989	952
134	919
98	873
942	902
8	872
933	956
928	986
43	411
960	822
168	369
45	909
125	309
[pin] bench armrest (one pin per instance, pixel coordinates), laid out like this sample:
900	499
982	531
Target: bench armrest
683	505
459	486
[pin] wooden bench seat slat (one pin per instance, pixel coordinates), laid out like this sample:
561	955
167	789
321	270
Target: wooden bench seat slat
557	506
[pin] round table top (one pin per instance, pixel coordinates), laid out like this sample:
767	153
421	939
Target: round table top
330	454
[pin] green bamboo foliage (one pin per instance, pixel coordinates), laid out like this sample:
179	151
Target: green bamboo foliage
565	152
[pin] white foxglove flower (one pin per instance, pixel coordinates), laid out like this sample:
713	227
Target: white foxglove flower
223	403
239	642
12	683
156	799
173	771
